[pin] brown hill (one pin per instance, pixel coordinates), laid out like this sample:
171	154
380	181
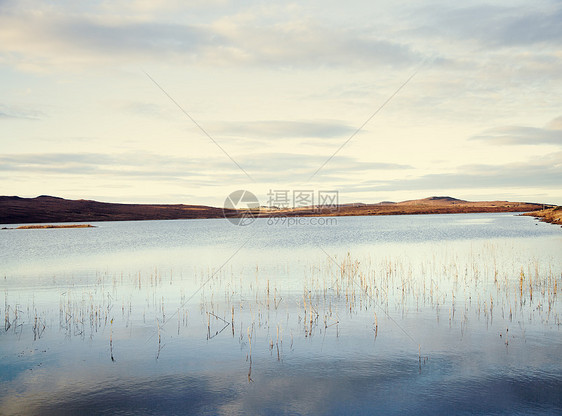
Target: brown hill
43	209
434	200
16	210
431	205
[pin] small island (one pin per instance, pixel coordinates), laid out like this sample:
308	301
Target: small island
44	226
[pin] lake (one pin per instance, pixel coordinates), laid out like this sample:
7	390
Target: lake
405	315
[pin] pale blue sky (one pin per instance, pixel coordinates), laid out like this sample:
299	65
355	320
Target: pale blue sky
280	86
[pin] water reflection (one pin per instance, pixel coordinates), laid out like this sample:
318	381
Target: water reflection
458	322
385	386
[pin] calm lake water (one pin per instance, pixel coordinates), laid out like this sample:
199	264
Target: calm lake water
409	315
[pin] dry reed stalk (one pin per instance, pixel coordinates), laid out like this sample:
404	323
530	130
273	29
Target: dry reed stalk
111	341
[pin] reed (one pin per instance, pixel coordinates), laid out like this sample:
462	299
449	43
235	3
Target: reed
322	295
111	341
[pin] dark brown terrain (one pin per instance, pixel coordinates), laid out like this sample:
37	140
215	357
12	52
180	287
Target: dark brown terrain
44	209
16	210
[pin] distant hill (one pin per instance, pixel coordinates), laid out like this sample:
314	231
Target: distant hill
353	204
431	205
433	200
45	209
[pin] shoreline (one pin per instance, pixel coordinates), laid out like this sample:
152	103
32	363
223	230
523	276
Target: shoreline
552	215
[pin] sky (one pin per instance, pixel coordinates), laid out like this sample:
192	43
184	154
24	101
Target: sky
154	101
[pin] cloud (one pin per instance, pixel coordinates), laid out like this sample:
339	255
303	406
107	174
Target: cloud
124	165
67	39
6	115
47	37
12	112
555	124
523	135
286	170
543	172
280	129
530	26
291	168
264	167
494	26
279	162
300	42
145	109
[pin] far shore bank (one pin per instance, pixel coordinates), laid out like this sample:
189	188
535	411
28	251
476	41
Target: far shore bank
552	215
49	209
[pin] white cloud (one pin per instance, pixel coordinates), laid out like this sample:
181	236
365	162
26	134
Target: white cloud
494	25
544	172
285	129
524	135
48	38
18	112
